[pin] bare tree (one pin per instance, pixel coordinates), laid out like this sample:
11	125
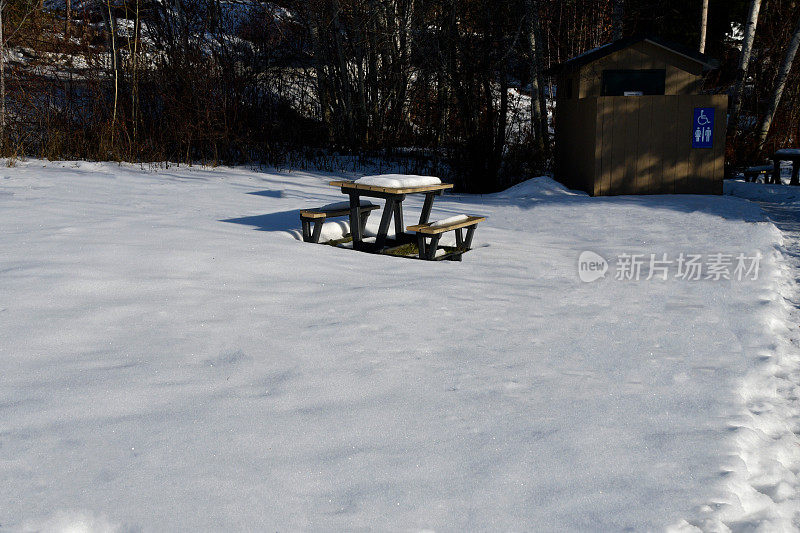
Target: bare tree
780	84
703	27
134	66
321	75
617	15
538	111
4	37
744	62
112	28
2	80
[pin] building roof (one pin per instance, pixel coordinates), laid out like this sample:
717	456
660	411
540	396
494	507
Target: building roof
593	55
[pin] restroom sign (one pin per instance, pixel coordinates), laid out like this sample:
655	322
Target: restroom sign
703	127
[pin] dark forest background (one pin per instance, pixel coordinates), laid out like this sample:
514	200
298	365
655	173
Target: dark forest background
441	85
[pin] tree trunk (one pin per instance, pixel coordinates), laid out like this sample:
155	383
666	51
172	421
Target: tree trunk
111	21
2	81
703	27
617	15
538	113
401	72
540	48
321	75
500	132
345	96
137	34
780	84
744	62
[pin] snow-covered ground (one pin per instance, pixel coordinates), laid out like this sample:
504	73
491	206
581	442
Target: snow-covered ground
172	358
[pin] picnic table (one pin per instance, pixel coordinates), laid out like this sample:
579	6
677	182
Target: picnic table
786	154
394	197
753	173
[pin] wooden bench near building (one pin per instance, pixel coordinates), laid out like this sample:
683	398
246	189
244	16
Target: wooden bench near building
755	172
772	172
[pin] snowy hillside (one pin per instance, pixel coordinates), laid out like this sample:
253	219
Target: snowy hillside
174	359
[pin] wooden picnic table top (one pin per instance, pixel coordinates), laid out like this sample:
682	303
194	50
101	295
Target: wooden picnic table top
391	190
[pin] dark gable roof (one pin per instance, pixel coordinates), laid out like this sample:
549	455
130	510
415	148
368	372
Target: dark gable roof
593	55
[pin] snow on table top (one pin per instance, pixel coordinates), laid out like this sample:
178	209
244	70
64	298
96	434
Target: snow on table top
449	220
167	368
398	180
788	151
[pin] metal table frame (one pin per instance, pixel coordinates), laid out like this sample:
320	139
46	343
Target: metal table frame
394	209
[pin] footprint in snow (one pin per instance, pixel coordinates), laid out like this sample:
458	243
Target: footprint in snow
228	358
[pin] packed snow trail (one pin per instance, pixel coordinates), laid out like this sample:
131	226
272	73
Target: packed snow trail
770	442
764	471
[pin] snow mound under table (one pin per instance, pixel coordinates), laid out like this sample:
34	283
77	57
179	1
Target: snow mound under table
398	181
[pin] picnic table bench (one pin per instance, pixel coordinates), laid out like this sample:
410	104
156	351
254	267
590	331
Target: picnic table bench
394	197
319	215
434	231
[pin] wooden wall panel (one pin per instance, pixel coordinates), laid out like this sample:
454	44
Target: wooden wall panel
605	142
565	132
597	175
592	74
670	149
678	80
643	156
658	139
681	82
561	137
638	145
631	131
590	81
619	135
589	137
671	58
576	144
683	145
581	158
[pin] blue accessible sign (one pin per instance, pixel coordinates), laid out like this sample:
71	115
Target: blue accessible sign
703	127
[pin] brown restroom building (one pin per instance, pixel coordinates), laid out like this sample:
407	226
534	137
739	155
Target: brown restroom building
630	120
